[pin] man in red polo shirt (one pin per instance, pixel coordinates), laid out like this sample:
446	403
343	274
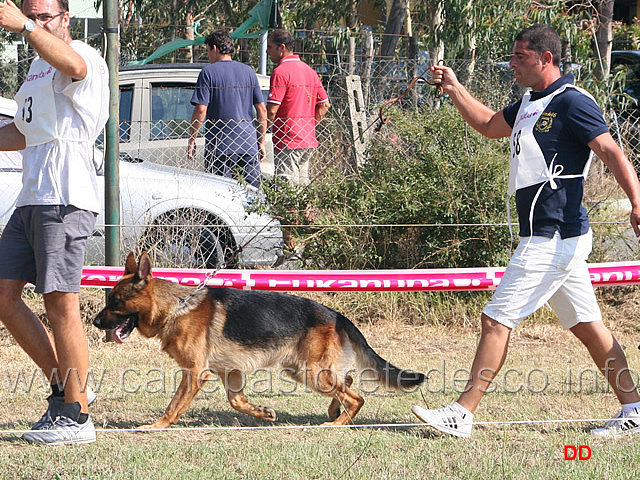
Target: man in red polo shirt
297	101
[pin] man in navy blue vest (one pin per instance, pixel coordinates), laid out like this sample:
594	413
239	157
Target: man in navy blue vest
554	129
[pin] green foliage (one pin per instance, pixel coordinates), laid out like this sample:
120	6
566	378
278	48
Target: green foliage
491	26
308	15
430	195
5	37
626	37
8	79
148	24
8	70
487	26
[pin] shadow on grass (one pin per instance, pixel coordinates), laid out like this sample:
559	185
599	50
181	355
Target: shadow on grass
12	438
213	418
205	418
14	427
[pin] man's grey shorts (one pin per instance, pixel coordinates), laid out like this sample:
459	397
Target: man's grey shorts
294	164
44	245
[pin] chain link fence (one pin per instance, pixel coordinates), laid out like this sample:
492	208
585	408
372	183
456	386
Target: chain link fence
188	215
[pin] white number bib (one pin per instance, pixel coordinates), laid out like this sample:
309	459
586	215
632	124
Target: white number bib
37	115
528	166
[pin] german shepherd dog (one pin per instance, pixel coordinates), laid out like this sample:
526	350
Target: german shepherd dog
232	332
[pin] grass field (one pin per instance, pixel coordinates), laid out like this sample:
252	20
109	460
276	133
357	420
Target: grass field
548	376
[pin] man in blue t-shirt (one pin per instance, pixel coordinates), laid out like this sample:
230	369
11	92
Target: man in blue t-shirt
226	94
554	129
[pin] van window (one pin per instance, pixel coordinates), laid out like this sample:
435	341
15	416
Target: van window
126	97
171	110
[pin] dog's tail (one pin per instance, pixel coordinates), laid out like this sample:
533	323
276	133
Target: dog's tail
372	365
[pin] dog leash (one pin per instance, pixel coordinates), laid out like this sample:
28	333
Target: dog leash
185	300
382	120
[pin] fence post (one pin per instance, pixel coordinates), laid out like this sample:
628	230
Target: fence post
357	119
351	68
412	67
112	139
367	63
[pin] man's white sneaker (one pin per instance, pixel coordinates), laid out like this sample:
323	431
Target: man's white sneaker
64	430
627	424
447	419
55	403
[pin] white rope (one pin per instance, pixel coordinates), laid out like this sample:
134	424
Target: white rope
321	427
364	225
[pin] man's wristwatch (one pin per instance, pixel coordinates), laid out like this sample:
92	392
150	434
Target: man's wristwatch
29	26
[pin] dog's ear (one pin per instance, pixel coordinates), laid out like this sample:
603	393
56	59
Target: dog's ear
130	266
144	267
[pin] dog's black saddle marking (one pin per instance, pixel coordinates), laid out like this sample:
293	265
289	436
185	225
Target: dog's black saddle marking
265	318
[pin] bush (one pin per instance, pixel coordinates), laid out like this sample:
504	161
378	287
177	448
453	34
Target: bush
430	195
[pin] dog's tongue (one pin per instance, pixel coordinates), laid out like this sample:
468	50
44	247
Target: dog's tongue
117	333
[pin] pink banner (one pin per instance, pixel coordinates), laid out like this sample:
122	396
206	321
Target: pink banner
619	273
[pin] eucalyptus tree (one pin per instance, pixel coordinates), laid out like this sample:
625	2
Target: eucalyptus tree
485	28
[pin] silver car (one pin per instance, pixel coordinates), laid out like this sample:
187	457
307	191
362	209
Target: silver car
183	217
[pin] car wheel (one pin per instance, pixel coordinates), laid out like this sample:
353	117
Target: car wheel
189	239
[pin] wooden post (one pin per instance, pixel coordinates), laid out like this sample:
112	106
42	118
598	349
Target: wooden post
367	62
412	67
351	67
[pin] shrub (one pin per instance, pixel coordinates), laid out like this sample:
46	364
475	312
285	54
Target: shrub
431	194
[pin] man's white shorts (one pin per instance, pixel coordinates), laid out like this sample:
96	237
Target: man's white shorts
547	270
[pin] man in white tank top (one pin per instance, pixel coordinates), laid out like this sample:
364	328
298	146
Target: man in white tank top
62	107
554	129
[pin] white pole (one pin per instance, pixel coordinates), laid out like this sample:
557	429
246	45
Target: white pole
263	52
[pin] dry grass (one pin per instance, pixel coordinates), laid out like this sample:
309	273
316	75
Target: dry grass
402	331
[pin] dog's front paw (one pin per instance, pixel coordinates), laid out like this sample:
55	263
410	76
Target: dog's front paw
268	414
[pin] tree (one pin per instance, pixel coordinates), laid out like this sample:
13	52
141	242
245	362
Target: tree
604	37
435	22
328	13
393	28
485	29
175	20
